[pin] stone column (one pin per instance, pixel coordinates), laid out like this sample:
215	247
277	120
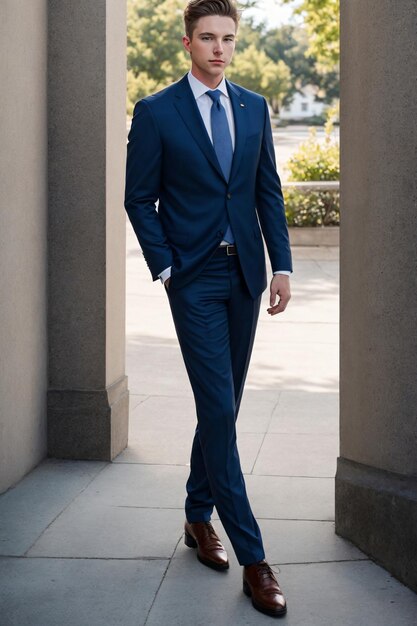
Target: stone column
376	480
87	398
23	238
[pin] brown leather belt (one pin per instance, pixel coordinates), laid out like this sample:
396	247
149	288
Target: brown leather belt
229	250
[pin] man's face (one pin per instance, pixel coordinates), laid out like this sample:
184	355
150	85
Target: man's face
211	47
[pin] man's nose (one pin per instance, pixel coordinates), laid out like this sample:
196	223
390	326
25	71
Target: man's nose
218	47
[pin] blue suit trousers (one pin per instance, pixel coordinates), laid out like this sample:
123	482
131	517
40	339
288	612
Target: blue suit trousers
215	319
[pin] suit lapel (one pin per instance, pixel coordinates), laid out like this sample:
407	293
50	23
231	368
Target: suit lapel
239	114
188	109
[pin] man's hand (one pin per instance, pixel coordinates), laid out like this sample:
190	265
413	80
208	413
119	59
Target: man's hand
280	286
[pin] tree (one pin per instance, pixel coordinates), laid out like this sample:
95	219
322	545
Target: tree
155	55
321	18
249	33
254	70
290	44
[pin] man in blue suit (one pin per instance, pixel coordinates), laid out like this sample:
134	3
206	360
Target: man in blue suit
203	148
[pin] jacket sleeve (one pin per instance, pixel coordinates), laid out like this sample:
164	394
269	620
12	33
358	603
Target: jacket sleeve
143	180
270	202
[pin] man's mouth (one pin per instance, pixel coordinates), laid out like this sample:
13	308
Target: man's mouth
216	61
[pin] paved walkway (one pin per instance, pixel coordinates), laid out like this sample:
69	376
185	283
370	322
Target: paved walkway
100	544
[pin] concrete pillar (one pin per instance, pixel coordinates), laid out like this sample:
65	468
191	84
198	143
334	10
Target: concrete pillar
376	480
87	397
23	237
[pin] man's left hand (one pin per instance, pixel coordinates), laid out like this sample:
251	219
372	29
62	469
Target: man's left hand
280	286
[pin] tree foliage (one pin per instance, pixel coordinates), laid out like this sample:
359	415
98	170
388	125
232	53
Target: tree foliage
321	18
253	69
155	55
289	43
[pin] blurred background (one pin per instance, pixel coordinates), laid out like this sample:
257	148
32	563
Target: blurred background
287	50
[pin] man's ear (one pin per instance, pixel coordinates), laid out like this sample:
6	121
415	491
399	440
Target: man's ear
186	43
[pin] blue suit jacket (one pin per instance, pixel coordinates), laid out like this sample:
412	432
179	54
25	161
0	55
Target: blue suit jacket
170	157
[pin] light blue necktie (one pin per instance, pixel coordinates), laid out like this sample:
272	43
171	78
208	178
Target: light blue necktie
222	142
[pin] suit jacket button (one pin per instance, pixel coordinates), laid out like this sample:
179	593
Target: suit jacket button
229	195
219	234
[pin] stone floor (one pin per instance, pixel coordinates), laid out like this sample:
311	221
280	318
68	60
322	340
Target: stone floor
99	544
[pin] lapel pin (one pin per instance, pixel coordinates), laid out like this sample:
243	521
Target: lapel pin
241	104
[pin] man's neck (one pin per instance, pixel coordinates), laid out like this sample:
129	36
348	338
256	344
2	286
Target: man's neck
212	82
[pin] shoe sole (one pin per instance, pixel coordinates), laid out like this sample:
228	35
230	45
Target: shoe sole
260	608
190	542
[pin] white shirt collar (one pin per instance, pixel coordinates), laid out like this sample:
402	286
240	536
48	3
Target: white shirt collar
198	88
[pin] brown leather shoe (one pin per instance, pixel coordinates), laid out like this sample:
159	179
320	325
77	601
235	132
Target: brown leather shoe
260	584
210	551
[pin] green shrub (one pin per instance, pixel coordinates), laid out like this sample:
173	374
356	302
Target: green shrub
314	161
312	208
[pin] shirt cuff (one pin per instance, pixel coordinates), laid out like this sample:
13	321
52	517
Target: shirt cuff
285	272
166	273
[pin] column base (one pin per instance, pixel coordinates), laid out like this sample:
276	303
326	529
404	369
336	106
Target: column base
88	424
377	511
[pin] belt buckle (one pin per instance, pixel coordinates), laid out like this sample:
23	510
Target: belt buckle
233	252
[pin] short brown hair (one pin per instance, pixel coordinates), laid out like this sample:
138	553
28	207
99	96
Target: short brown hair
201	8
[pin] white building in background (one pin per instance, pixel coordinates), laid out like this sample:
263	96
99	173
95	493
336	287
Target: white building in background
303	105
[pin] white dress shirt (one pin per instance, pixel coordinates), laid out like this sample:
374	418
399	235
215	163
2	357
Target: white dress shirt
204	103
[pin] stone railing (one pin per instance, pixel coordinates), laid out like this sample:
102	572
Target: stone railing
312	185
